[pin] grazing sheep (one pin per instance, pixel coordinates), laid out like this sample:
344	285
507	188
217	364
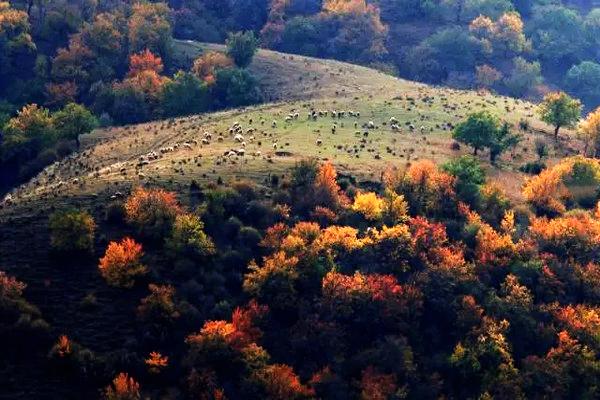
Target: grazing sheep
205	141
274	124
393	121
238	138
275	146
371	125
319	142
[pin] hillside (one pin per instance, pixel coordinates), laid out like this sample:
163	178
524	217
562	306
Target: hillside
172	154
114	159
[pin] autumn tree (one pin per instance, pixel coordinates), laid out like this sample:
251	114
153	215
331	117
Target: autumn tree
504	36
123	387
208	63
369	205
159	309
72	231
589	129
241	47
152	212
560	110
327	190
122	264
487	76
27	133
73	121
17	49
149	28
280	382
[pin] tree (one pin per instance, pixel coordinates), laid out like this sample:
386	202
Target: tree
149	28
369	205
502	141
72	231
27	133
523	77
242	47
590	130
159	307
205	67
152	212
469	178
478	130
487	76
73	121
281	383
559	109
188	237
121	263
556	33
17	49
584	80
235	87
184	95
327	191
123	387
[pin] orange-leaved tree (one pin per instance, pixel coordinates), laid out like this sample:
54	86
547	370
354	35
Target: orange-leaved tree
122	264
123	387
152	212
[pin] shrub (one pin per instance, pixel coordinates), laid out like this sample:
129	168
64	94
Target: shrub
152	212
72	231
121	263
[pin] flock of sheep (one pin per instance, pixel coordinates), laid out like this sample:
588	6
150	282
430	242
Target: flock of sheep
258	135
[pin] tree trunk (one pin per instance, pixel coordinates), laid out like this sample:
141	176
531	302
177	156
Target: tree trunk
556	132
475	149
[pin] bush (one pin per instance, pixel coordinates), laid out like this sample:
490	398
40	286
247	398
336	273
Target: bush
72	231
533	167
121	263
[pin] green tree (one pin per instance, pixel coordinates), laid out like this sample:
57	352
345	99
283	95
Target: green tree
477	131
584	80
559	109
556	34
184	95
469	178
502	141
242	47
188	237
27	133
524	77
235	87
73	121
